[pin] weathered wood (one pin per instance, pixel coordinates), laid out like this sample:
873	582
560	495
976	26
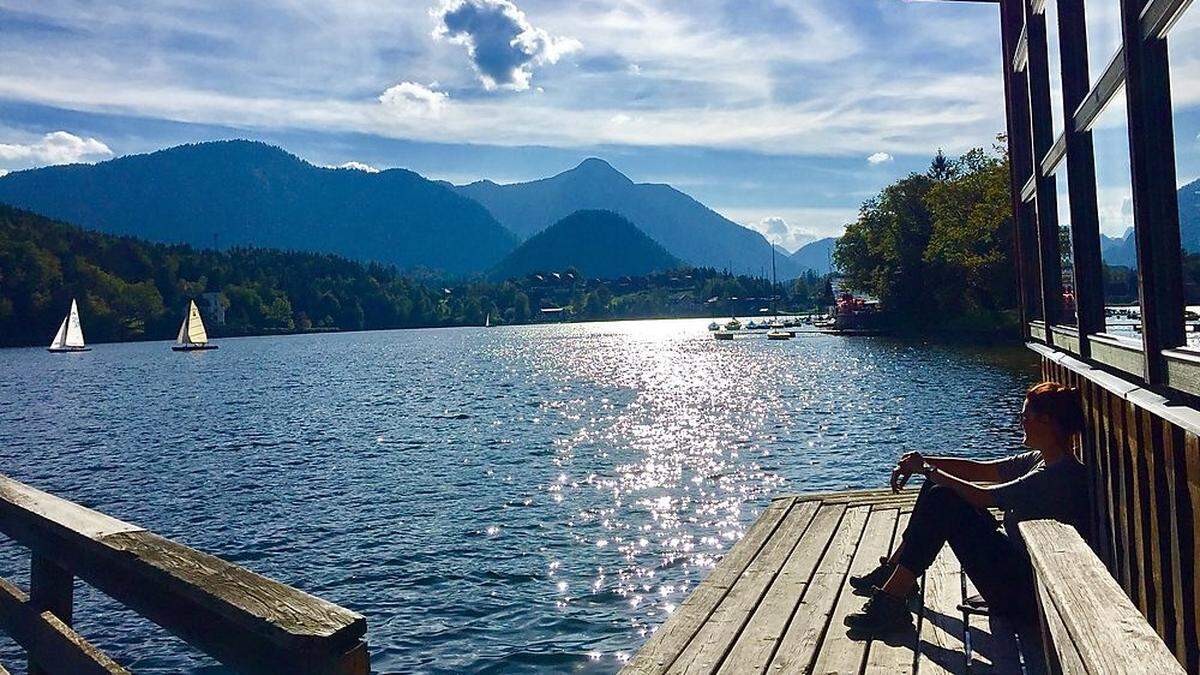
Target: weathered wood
51	589
1192	464
704	653
1170	463
898	655
1060	650
240	618
48	640
803	637
660	651
1154	493
761	636
1134	502
941	648
839	652
1108	631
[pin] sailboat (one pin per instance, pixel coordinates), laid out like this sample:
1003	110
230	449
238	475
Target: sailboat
777	332
487	320
69	337
192	336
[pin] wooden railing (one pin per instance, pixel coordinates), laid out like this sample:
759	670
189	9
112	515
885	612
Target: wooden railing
244	620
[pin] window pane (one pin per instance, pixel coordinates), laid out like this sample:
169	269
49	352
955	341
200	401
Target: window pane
1103	24
1055	63
1068	315
1114	201
1183	46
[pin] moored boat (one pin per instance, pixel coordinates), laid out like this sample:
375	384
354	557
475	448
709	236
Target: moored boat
723	334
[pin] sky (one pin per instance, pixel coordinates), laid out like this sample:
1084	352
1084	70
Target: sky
783	115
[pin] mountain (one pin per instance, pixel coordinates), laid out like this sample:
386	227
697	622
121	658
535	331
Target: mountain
600	244
685	227
816	256
243	193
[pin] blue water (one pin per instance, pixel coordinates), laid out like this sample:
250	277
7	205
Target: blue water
492	500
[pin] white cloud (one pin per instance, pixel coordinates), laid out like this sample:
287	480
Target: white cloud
777	230
503	45
3	173
357	166
879	158
410	98
58	147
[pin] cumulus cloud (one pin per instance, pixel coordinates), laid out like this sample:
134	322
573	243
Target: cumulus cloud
503	46
777	230
3	173
879	158
59	147
411	98
357	166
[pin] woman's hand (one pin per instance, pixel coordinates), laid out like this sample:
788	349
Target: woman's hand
910	463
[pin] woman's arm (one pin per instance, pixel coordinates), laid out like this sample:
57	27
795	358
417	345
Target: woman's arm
975	495
966	469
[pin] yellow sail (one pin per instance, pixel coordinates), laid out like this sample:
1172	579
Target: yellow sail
195	326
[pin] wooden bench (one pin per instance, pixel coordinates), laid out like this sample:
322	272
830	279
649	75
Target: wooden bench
246	621
1089	624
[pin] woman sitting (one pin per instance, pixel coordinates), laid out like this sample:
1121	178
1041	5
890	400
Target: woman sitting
952	508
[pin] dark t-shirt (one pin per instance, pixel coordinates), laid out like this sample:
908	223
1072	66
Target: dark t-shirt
1030	489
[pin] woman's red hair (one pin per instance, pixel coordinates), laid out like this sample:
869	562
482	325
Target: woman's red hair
1058	401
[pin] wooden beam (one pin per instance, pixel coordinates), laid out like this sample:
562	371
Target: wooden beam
1045	192
48	641
51	589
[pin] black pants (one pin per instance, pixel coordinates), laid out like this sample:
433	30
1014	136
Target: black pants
996	564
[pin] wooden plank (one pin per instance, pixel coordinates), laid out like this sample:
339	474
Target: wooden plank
941	647
808	624
240	618
706	650
892	656
1172	460
758	641
1135	499
1060	649
660	651
1109	632
1116	491
839	652
51	589
48	641
1154	493
1192	463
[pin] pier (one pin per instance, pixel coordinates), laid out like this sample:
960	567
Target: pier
246	621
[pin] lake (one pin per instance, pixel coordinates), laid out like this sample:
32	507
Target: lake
512	499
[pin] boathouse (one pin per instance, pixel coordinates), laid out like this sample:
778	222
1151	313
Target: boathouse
1089	105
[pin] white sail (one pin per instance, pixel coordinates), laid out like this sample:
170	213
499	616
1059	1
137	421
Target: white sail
487	321
192	331
74	337
60	338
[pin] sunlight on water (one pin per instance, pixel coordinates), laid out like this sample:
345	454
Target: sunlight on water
514	499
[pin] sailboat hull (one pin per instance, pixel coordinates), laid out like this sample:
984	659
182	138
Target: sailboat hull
192	348
67	350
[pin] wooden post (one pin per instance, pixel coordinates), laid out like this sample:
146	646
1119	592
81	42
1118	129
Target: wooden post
1046	195
51	588
1155	210
1081	172
1020	157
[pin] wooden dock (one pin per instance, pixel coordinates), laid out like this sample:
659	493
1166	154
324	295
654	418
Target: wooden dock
775	602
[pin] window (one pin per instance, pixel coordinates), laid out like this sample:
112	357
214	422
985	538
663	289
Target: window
1030	262
1103	25
1114	201
1068	315
1183	45
1055	64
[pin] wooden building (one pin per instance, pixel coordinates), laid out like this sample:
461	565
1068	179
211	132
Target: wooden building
1099	97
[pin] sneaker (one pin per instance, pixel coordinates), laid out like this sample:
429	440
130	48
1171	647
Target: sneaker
876	578
881	614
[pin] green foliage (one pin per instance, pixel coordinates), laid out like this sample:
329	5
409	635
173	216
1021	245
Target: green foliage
937	248
129	289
